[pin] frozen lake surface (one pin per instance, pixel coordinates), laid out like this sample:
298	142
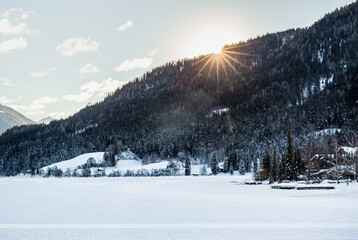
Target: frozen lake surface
172	208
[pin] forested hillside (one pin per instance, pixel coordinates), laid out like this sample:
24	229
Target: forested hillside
239	103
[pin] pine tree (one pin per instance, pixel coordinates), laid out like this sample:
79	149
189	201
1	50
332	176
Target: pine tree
290	161
67	173
242	167
226	164
255	165
298	163
230	158
282	169
273	172
227	158
112	159
231	168
266	166
187	166
214	164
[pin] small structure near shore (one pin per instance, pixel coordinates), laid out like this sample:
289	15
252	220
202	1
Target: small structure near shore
302	187
278	186
308	187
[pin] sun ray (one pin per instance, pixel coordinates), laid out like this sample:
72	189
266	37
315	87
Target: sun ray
217	73
211	66
230	64
222	65
235	60
201	60
203	67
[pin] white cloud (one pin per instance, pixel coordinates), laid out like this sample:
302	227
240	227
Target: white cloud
78	98
77	45
6	28
91	89
135	63
15	44
5	81
125	26
17	13
34	113
8	12
57	115
41	74
153	52
5	100
89	68
36	107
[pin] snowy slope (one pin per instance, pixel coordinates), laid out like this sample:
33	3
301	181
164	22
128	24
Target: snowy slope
77	161
9	118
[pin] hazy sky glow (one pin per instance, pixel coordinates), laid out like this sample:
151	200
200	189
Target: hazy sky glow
56	56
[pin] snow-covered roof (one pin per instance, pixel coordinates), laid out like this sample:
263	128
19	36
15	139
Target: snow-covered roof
350	150
327	132
322	156
219	111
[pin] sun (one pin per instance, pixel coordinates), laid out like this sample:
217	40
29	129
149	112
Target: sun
210	39
217	51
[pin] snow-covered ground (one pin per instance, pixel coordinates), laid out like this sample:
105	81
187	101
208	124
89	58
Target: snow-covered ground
213	207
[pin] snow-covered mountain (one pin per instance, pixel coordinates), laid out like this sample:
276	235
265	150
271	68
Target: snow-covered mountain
46	120
9	118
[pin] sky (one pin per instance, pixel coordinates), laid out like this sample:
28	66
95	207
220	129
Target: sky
58	56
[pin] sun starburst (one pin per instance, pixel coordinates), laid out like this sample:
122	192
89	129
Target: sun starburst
221	63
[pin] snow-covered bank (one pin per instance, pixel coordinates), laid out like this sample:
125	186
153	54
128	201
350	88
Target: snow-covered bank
212	207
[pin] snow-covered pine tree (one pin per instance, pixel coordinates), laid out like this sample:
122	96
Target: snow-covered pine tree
242	167
214	164
203	170
67	173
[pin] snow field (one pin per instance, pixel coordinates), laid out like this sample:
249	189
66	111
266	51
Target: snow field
212	207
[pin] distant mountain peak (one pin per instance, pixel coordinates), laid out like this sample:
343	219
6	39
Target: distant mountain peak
10	118
46	120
